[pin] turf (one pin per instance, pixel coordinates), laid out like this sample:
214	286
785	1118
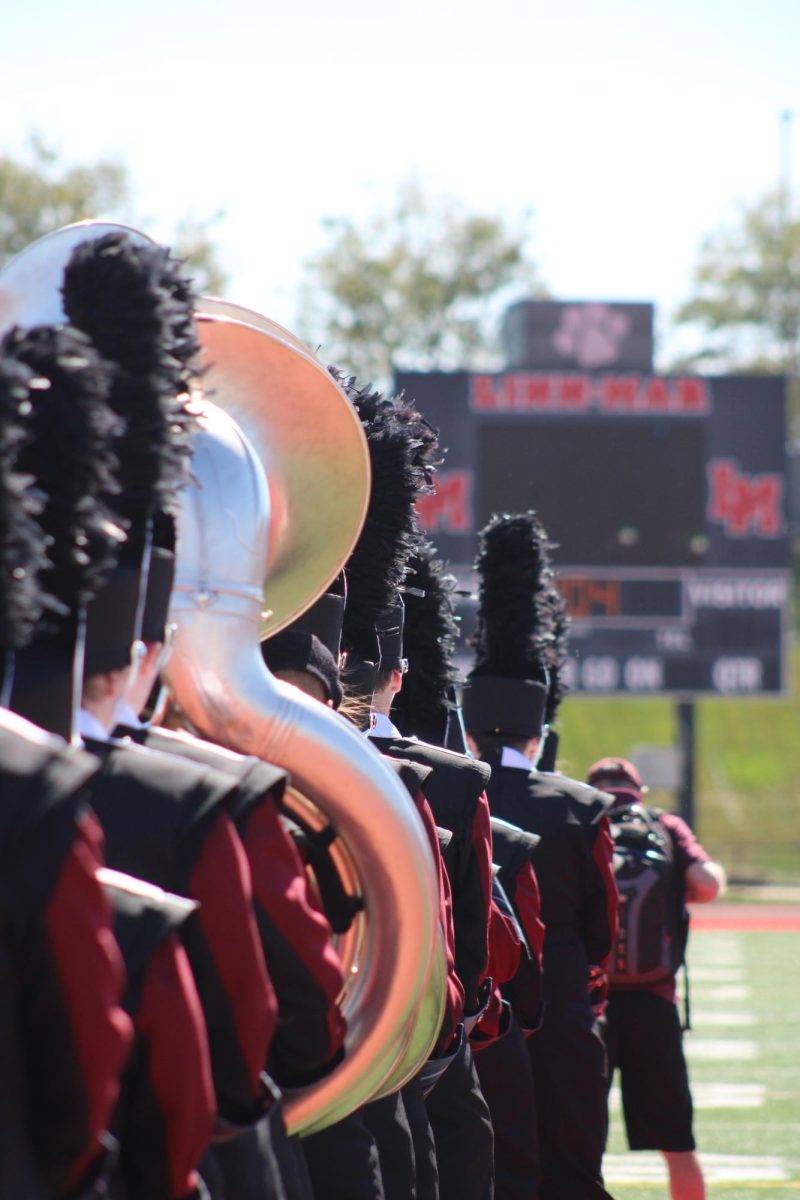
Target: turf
748	769
769	966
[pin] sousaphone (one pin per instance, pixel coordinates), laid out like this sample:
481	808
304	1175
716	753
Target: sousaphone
220	682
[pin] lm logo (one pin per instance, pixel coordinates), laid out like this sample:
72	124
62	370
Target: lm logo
745	504
449	509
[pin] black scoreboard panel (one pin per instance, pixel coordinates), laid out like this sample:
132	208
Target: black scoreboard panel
686	633
665	497
626	493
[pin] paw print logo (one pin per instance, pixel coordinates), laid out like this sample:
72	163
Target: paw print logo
591	334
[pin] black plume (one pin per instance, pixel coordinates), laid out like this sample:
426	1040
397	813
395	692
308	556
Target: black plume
22	545
512	637
429	639
70	456
137	308
403	450
558	620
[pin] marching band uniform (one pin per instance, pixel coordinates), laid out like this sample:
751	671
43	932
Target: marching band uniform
64	1043
165	821
166	1114
295	936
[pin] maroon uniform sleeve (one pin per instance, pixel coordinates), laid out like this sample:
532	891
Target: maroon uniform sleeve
505	952
302	962
472	894
526	990
528	904
76	1089
687	848
224	948
504	947
454	1001
599	913
170	1113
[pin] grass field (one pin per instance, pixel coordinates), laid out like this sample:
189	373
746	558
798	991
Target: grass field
748	769
744	1062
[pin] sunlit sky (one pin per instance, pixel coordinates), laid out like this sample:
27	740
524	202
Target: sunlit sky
628	129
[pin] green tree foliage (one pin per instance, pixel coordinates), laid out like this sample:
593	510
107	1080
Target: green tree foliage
746	299
420	286
39	193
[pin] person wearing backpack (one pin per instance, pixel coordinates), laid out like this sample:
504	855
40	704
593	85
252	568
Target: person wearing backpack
659	866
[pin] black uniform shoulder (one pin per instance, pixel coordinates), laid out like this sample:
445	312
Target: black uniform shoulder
153	768
506	831
154	806
42	790
37	769
413	775
144	917
254	777
471	774
585	803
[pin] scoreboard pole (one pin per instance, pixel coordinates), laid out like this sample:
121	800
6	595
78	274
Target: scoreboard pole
686	743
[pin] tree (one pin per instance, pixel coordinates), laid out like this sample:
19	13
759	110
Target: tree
40	193
747	293
421	286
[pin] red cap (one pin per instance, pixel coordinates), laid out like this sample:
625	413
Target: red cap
615	774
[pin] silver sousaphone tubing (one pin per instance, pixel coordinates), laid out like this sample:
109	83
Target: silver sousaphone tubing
220	682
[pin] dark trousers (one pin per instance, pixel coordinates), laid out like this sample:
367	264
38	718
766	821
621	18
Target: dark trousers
425	1169
462	1131
343	1161
506	1077
247	1167
388	1123
569	1074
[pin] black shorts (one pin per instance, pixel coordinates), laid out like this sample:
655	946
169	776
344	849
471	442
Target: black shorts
645	1044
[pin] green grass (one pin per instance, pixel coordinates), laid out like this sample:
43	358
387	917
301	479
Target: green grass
748	769
770	965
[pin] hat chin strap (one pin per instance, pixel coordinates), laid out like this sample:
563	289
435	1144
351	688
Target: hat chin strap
540	746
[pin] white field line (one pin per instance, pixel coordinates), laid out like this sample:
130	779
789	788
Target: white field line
717	1017
714	974
719	1050
723	993
713	1095
648	1167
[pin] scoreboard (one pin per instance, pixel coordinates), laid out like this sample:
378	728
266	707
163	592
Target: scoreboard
665	496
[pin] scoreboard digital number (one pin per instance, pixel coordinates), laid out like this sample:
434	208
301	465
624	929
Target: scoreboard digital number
665	497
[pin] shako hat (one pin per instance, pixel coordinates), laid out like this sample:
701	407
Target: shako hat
69	454
556	656
133	300
507	688
22	543
313	641
426	706
403	450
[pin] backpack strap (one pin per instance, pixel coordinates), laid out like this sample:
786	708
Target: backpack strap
655	815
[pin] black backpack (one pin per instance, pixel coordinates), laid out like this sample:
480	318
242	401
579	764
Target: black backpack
653	922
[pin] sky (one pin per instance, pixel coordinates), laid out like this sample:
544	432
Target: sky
619	132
